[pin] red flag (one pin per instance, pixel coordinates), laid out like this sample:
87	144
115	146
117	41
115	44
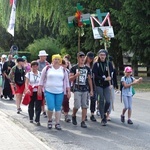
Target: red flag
11	2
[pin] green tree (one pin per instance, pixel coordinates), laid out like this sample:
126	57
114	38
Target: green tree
48	44
134	35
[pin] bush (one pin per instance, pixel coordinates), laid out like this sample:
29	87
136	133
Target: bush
48	44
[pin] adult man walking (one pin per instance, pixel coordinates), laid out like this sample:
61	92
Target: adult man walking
42	62
80	75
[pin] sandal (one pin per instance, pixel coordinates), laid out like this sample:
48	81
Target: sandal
57	126
49	124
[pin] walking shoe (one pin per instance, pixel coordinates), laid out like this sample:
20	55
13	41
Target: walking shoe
1	96
74	121
57	126
122	118
67	119
31	121
103	122
83	125
44	113
130	121
37	123
92	118
18	111
105	118
49	124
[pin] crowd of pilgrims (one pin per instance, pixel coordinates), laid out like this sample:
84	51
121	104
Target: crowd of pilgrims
41	84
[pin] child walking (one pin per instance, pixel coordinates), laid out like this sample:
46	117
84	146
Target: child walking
127	82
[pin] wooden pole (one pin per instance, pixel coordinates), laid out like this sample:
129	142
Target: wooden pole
79	33
105	46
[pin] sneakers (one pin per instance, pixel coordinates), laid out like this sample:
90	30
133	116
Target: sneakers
103	122
74	121
83	125
92	118
67	119
122	118
57	126
130	121
44	114
31	121
37	123
49	124
19	110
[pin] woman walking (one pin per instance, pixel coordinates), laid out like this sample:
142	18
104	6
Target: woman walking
54	80
31	87
17	78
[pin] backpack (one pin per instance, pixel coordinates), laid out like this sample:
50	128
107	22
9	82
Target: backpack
121	86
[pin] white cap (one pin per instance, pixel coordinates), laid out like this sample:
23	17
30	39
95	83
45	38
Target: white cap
4	56
42	53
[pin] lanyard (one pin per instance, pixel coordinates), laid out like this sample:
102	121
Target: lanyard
103	68
35	78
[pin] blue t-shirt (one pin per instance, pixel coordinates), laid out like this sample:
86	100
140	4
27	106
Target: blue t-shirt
127	91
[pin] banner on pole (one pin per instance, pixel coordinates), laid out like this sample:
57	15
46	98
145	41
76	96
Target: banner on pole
109	30
11	26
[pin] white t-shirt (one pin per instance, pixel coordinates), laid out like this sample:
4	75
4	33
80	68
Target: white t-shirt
33	79
54	80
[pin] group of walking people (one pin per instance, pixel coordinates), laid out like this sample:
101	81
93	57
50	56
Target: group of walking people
92	79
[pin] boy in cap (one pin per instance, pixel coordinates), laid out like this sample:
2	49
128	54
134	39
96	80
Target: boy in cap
80	75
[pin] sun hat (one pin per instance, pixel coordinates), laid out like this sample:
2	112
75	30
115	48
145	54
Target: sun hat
42	53
80	54
4	56
24	57
90	55
128	69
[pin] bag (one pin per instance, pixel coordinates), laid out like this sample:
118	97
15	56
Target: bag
26	99
133	91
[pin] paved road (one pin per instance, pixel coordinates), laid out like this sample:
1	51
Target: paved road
115	135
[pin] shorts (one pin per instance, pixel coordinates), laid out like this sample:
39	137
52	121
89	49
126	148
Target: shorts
81	99
19	89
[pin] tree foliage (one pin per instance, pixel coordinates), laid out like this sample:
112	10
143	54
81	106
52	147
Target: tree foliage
48	44
38	18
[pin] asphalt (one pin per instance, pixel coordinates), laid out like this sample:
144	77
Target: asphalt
16	135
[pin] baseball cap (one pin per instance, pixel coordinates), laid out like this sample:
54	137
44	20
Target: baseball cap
127	69
80	54
102	51
19	59
90	55
24	57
